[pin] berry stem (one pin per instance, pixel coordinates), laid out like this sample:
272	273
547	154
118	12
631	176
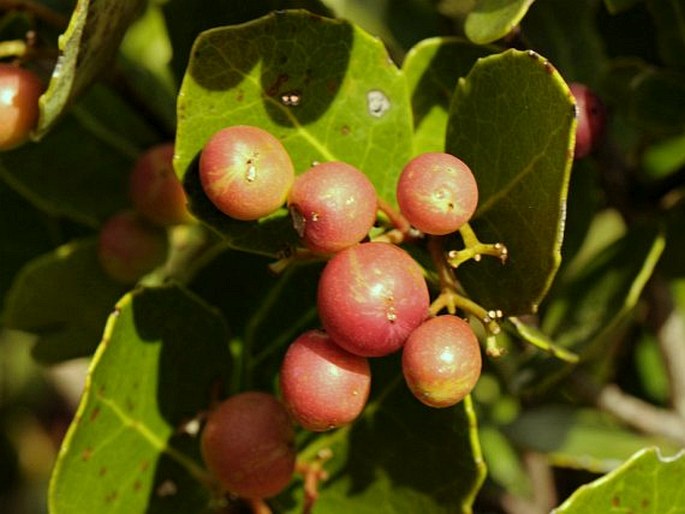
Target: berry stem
396	218
474	249
14	48
291	257
449	297
313	473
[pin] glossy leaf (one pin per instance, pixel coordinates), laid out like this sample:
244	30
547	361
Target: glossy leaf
669	18
578	438
648	482
491	20
86	50
512	121
80	170
127	450
63	297
400	457
432	69
325	88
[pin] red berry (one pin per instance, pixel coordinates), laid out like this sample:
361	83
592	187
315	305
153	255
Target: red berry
20	90
248	445
155	190
437	193
441	361
370	297
129	248
323	386
591	119
333	206
246	172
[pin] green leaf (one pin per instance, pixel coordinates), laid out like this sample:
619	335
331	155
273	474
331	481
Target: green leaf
648	482
80	169
512	121
656	101
163	355
669	19
400	457
23	235
491	20
566	32
185	20
64	297
617	6
351	104
577	438
86	50
605	290
432	69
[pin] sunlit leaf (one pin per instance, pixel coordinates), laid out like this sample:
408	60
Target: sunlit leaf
324	87
130	448
649	482
86	49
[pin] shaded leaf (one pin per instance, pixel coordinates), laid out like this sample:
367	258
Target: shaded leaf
605	290
616	6
669	19
578	438
80	170
432	69
350	104
567	33
186	20
23	235
125	450
594	303
86	50
491	20
648	482
400	456
64	297
512	121
657	97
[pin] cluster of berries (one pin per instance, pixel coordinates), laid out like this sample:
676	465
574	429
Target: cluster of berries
372	299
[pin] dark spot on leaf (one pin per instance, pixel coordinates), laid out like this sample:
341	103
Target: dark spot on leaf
111	497
130	405
94	414
274	88
87	454
144	466
615	501
344	130
137	485
101	390
549	67
332	86
240	96
644	503
102	472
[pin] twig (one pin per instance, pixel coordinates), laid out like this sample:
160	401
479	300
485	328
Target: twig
39	10
669	327
544	491
632	411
